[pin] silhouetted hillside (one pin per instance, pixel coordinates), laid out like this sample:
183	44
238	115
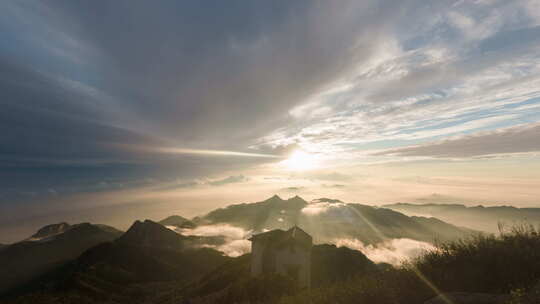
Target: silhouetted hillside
152	234
50	247
232	282
330	264
115	270
148	256
505	269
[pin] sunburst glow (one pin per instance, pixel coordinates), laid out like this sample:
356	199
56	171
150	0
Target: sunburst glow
301	161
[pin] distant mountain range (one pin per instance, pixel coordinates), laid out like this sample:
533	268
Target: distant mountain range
177	221
327	220
477	217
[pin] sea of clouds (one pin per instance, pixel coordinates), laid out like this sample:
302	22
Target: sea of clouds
393	251
236	238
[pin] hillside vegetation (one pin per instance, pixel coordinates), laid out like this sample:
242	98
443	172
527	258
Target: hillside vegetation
49	248
505	267
506	264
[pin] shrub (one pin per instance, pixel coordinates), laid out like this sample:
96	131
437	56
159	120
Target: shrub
508	263
485	263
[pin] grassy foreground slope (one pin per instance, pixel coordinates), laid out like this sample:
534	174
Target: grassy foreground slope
506	264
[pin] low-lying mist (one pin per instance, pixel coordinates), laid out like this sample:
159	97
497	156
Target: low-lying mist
236	238
393	251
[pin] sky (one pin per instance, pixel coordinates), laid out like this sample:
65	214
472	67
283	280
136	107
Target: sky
118	110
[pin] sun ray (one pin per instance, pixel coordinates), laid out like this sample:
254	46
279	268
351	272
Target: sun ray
213	152
416	271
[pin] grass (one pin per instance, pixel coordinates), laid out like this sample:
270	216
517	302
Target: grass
505	264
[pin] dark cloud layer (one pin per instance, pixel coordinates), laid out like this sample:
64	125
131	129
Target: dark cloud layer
83	81
201	72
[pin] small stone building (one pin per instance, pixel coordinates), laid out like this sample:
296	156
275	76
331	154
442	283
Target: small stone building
283	252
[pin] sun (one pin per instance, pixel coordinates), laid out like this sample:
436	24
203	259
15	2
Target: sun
300	161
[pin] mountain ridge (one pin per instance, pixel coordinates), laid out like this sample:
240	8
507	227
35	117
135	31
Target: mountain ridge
327	219
483	218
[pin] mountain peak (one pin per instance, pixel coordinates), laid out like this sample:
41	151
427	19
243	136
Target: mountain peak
275	197
297	198
149	233
177	221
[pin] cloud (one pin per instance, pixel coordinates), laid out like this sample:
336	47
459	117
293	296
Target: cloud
228	180
438	199
317	208
330	176
103	82
518	139
87	85
236	242
235	248
333	186
202	182
228	231
180	185
471	77
292	189
394	251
